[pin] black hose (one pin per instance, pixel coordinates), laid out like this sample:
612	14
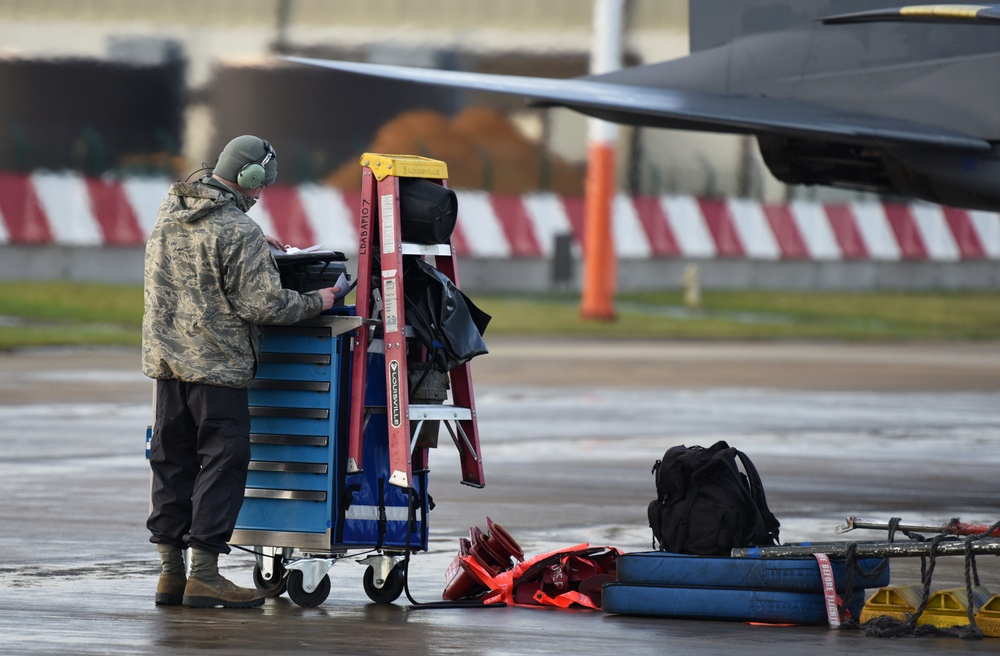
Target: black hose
421	605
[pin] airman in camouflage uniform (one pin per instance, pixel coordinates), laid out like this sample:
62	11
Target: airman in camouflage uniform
210	279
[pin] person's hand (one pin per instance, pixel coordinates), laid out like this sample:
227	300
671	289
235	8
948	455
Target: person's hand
273	241
329	295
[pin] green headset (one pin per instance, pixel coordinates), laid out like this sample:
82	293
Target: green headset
252	175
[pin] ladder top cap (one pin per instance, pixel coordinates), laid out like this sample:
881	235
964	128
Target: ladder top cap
404	166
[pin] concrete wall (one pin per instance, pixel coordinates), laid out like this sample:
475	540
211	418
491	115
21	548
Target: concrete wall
123	265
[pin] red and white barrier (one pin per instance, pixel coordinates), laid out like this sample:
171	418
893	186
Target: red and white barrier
71	210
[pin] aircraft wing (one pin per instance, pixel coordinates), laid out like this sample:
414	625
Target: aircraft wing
682	109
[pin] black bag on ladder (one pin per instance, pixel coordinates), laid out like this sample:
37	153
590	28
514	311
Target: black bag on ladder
442	316
706	506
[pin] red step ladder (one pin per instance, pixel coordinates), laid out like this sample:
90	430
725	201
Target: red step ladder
383	307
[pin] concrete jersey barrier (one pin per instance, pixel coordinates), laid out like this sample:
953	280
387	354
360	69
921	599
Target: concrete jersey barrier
65	209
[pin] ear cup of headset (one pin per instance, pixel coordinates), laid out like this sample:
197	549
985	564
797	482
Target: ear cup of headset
251	176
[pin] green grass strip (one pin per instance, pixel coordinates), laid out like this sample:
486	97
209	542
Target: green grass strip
59	313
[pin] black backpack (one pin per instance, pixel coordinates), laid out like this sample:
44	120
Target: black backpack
706	506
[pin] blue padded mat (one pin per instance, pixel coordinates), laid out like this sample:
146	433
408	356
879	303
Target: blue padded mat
790	574
773	606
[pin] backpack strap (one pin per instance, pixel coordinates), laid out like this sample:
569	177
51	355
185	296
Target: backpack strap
771	523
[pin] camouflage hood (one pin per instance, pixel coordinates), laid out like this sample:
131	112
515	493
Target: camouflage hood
196	200
209	280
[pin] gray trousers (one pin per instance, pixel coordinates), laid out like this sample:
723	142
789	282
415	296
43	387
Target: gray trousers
199	455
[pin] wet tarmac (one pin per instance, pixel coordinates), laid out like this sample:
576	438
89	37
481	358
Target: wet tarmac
570	431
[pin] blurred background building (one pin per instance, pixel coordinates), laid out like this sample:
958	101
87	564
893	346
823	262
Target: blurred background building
136	86
104	101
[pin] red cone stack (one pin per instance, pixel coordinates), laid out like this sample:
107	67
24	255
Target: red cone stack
490	567
494	551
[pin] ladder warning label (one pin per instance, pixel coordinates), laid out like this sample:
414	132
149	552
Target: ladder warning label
395	411
388	224
391	314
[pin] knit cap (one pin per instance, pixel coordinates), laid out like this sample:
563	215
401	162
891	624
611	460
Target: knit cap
244	150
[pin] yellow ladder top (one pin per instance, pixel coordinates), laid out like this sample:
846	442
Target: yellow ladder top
404	166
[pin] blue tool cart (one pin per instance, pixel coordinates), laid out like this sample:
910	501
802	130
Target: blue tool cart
303	511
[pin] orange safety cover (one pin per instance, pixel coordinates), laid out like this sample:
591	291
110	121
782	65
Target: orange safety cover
550	579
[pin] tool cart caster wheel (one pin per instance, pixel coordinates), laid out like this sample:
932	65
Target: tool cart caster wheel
308	599
390	590
278	583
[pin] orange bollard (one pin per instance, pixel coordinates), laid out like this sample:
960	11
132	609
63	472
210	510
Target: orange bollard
599	266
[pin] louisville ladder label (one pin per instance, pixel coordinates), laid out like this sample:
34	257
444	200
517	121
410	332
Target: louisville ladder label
395	409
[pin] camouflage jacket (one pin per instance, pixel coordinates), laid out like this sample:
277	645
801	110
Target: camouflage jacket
209	280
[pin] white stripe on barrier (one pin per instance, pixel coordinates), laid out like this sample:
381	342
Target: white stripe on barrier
754	230
480	225
688	226
4	236
66	202
145	196
987	225
628	233
814	227
936	234
329	217
548	216
262	217
876	233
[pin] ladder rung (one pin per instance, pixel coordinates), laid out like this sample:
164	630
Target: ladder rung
410	248
439	412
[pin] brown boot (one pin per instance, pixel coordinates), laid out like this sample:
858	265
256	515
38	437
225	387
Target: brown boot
170	588
207	588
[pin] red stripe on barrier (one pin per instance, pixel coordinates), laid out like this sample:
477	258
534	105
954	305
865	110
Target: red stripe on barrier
113	213
904	226
517	225
845	230
23	215
288	216
786	232
966	237
458	239
352	201
459	242
575	212
720	224
661	238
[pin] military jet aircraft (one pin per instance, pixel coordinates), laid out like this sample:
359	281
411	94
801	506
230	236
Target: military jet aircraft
857	94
